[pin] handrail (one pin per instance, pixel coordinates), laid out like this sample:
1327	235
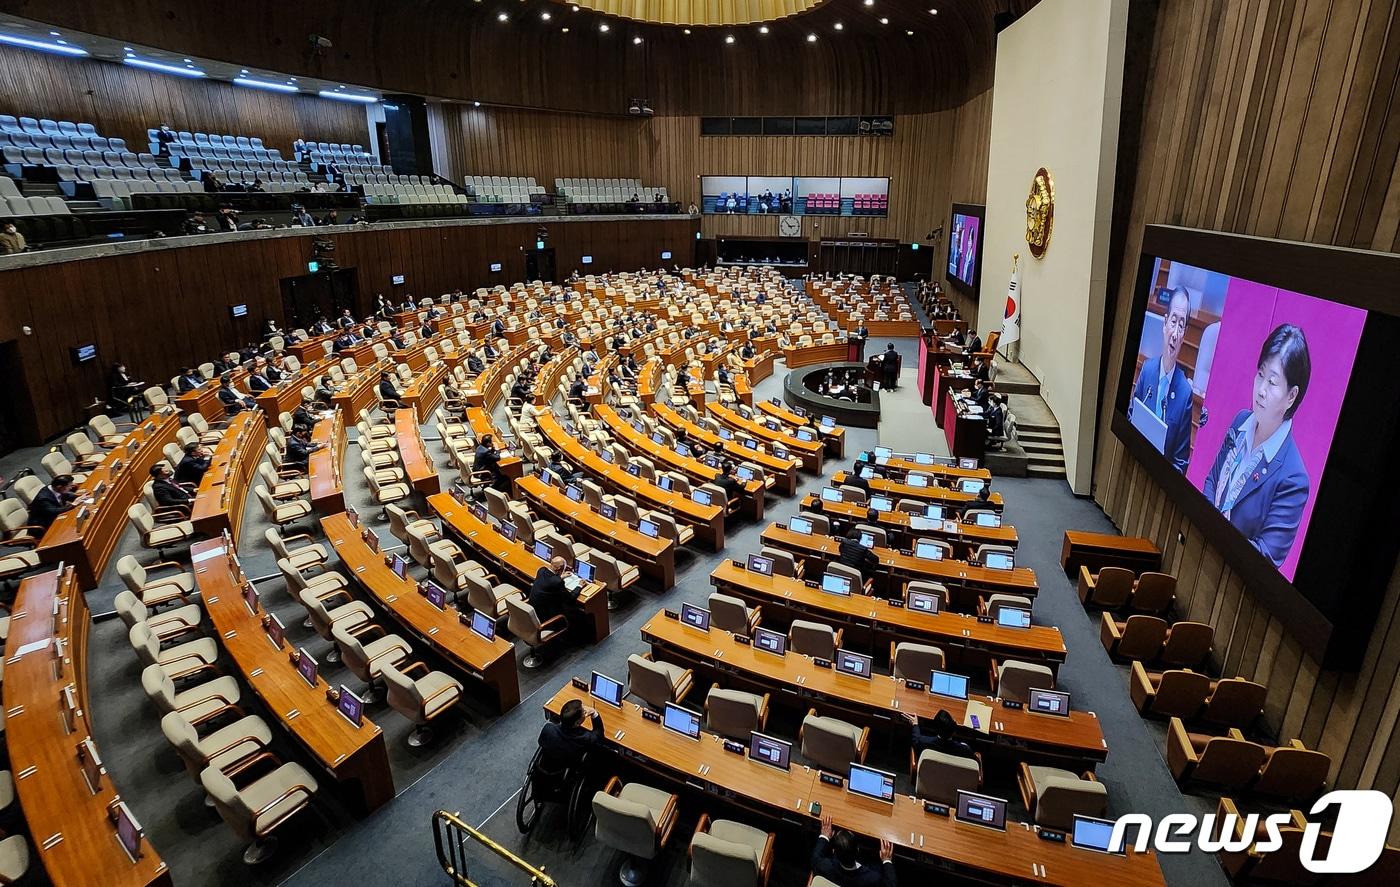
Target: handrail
450	835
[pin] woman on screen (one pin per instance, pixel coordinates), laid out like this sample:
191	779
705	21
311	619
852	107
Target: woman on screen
1259	481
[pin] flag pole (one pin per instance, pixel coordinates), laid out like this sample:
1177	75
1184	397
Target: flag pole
1011	319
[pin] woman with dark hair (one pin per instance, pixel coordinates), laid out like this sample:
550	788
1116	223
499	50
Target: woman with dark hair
1259	481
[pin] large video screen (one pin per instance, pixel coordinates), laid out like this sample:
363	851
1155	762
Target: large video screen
965	247
786	195
1245	379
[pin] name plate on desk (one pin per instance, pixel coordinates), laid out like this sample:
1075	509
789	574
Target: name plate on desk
832	779
737	748
742	640
935	809
820	662
1047	835
579	684
988	620
671	614
914	685
649	715
1012	704
897	604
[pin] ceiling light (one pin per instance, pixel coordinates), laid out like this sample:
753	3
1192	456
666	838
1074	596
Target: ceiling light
502	17
869	2
476	104
687	31
347	96
264	84
933	12
545	16
61	48
244	71
55	34
729	38
763	29
884	21
565	30
157	66
603	27
840	27
187	61
910	33
636	40
574	7
811	38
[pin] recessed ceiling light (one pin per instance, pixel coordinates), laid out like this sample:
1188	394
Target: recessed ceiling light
55	34
687	31
729	38
636	40
763	29
565	30
187	61
603	27
502	17
884	21
933	12
869	2
574	7
811	38
839	26
544	15
476	104
910	33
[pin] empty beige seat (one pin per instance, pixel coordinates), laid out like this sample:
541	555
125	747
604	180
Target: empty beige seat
164	625
487	596
734	713
179	661
401	520
155	591
993	604
367	660
914	662
307	558
450	566
227	748
1054	796
724	853
255	810
283	489
832	744
524	623
1014	680
109	434
421	699
196	704
350	616
281	513
14	859
939	776
657	683
158	536
813	639
85	455
636	820
57	465
784	564
732	614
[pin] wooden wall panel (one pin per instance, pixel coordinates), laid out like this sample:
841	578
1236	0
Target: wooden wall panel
1272	119
124	102
161	309
972	139
543	144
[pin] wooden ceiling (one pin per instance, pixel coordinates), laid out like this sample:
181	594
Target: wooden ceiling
697	12
544	54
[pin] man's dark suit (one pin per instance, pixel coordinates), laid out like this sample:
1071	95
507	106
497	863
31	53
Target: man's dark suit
1176	402
563	747
824	864
189	383
258	383
548	595
170	494
857	556
475	364
47	506
387	391
191	470
298	454
231	401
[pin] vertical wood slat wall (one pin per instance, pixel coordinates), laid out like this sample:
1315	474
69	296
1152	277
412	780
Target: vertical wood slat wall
1274	119
123	102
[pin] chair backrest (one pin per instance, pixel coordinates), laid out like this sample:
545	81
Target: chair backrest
144	643
649	682
733	713
784	564
443	569
523	621
939	776
851	573
56	464
1188	644
812	639
352	653
915	661
26	488
398	522
1228	761
130	608
1180	693
132	574
1015	680
401	692
1154	592
181	734
829	743
80	444
1235	702
729	613
103	426
1112	587
158	687
1294	772
624	825
715	862
938	589
1015	601
232	808
140	517
1142	637
1060	795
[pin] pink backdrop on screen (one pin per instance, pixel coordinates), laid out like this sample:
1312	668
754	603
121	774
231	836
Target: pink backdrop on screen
1252	311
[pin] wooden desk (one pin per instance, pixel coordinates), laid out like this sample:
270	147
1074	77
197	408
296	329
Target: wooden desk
73	837
667	458
285	396
417	464
218	503
784	471
811	452
966	433
490	662
835	438
1099	550
945	382
654	557
361	391
89	545
940	842
312	349
951	472
518	562
965	537
870	623
796	682
707	520
760	366
964	581
425	394
326	464
205	399
480	422
354	756
810	354
935	495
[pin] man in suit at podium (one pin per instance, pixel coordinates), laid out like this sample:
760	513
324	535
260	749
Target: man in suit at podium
1162	386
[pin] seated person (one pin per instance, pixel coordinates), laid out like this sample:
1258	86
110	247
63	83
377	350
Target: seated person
487	458
325	390
551	597
834	858
733	489
193	464
942	736
578	389
168	493
561	468
857	556
387	391
565	745
475	364
51	501
300	446
232	399
189	380
257	377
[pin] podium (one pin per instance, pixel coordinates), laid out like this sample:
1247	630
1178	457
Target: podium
855	349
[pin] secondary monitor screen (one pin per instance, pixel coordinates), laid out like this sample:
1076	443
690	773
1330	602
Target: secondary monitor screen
483	625
1013	617
648	528
881	503
923	602
965	246
679	720
867	539
700	497
916	480
982	810
436	594
928	549
987	519
604	688
998	560
833	584
1090	833
883	453
770	751
584	570
852	663
695	617
761	565
943	683
573	493
129	831
542	551
871	783
831	494
971	485
1049	702
800	525
770	641
399	566
933	512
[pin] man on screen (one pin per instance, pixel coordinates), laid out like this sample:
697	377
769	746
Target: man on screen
1259	481
1162	384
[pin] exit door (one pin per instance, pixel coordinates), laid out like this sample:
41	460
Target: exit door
539	265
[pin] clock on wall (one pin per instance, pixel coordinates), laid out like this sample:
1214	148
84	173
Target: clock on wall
789	226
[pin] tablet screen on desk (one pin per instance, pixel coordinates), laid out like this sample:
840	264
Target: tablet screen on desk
609	512
998	560
399	566
508	531
744	473
306	666
805	434
969	464
971	485
695	617
800	525
854	664
761	565
276	631
923	458
436	594
606	454
988	519
483	625
871	783
648	528
881	503
700	497
573	493
933	512
916	480
656	438
1092	834
833	584
828	422
129	831
770	641
1049	702
982	810
350	706
665	482
923	602
943	683
831	494
750	443
683	449
604	688
770	751
726	434
1013	617
634	470
547	476
867	540
928	549
479	512
584	570
678	720
542	551
883	452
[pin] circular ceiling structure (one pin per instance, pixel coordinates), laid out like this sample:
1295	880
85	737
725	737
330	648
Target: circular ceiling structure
699	13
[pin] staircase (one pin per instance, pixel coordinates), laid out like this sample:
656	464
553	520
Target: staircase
1040	438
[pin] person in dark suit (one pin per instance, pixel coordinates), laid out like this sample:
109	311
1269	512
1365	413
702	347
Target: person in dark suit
387	391
300	446
1258	480
257	377
320	327
732	488
854	478
549	595
193	464
834	858
980	393
276	369
427	330
121	388
189	380
889	368
325	391
498	328
51	501
168	493
578	389
974	344
566	744
941	736
231	399
343	342
489	351
1162	385
746	351
475	364
396	339
487	458
857	556
981	369
345	321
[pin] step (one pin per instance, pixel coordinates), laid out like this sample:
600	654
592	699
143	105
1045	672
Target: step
1031	389
1037	434
1044	449
1034	470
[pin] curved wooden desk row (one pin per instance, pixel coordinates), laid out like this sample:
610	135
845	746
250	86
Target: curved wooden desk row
667	459
218	504
901	467
425	393
812	453
285	396
205	399
417	464
809	354
326	465
653	557
834	437
490	662
963	580
707	520
935	495
783	470
361	391
87	536
959	534
485	390
354	756
871	623
73	833
1015	856
880	702
513	558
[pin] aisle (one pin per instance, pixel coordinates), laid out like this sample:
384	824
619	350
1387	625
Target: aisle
906	424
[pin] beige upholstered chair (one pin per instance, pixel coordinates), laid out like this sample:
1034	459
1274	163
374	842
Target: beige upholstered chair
813	639
283	489
164	625
109	434
158	536
56	464
732	614
85	455
229	748
784	564
281	513
367	660
939	776
400	520
420	700
992	605
257	808
525	624
152	591
1054	796
197	704
180	661
307	559
350	616
1014	680
14	859
734	713
636	820
657	683
488	596
724	853
914	662
450	565
832	744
